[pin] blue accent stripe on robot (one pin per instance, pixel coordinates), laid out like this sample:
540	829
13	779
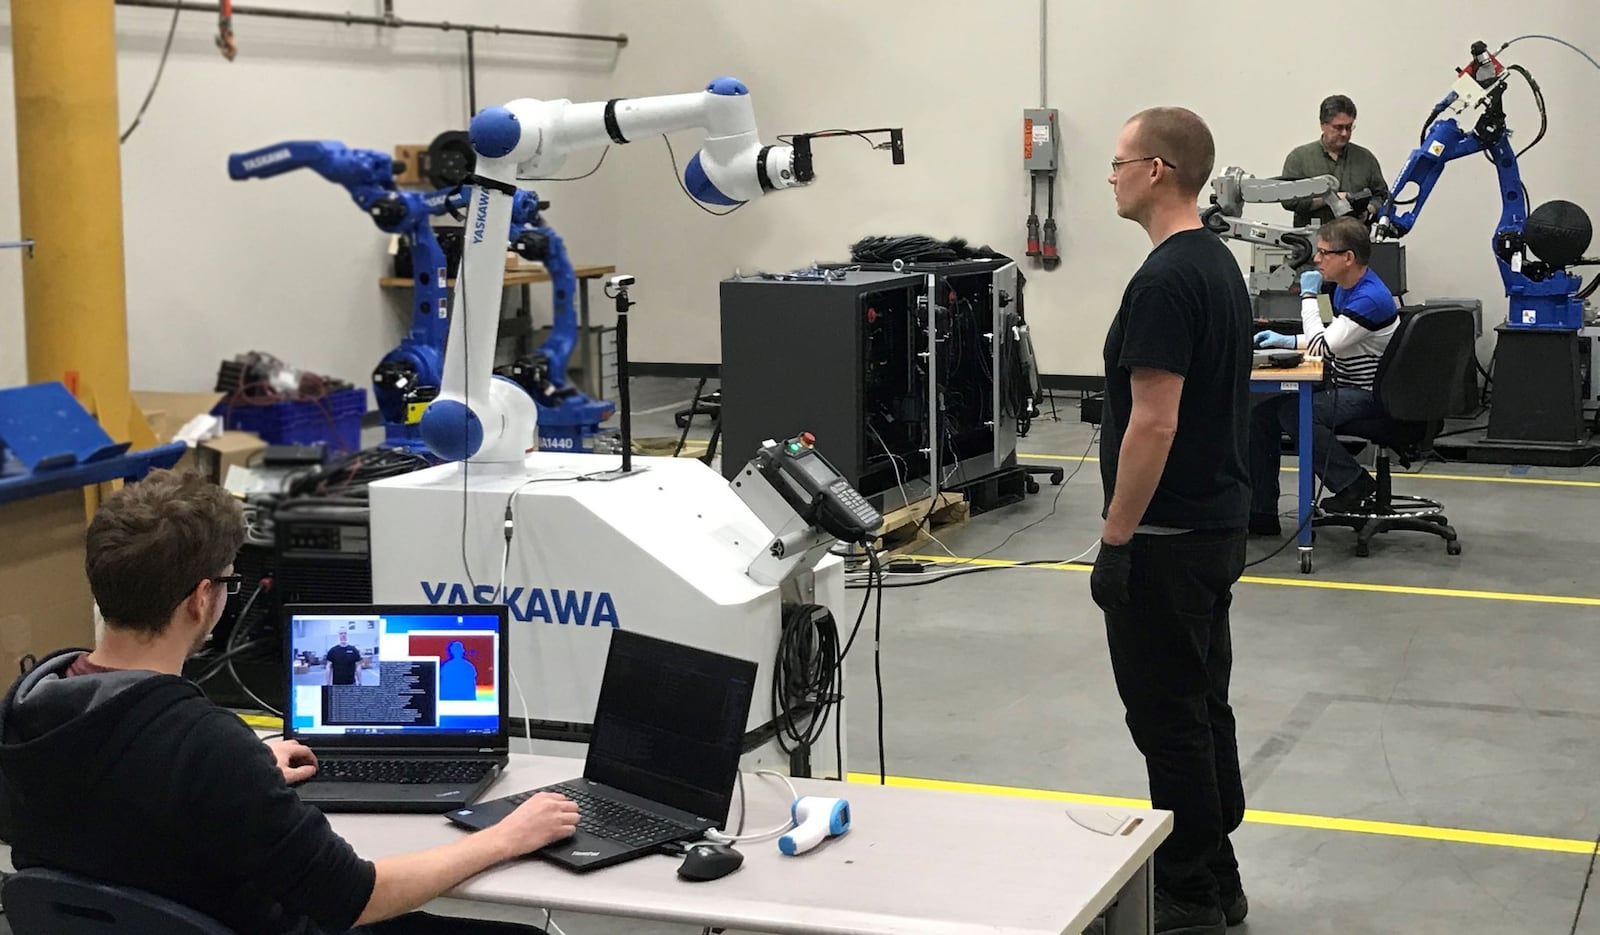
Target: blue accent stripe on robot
729	87
700	186
494	132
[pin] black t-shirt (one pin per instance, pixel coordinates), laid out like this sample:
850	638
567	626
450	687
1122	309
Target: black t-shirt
1186	311
343	658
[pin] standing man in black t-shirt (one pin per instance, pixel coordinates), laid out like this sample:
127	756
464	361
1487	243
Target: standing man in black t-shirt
1173	462
342	661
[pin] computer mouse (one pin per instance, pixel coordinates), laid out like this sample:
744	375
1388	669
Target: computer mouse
709	862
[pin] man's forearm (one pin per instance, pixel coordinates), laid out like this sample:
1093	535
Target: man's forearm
1310	321
404	883
1140	463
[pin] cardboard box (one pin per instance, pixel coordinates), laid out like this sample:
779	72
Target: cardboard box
168	412
217	455
410	156
47	604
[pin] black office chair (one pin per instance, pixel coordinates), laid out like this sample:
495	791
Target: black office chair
49	902
1415	384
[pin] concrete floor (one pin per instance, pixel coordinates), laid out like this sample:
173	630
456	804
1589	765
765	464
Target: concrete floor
1469	706
1474	709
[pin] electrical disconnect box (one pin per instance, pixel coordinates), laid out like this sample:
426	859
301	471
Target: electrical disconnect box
1039	130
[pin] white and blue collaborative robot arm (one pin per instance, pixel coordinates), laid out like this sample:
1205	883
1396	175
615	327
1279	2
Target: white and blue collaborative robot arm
488	420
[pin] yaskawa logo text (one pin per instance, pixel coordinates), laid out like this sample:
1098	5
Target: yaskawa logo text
552	605
266	159
481	222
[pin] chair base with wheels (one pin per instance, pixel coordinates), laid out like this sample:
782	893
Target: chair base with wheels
49	902
1055	474
1387	511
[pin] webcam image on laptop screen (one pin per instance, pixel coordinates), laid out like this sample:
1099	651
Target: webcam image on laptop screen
370	673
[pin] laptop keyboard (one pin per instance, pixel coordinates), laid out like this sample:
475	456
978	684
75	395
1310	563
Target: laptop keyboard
615	821
402	771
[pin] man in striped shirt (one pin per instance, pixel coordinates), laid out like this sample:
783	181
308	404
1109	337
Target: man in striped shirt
1364	319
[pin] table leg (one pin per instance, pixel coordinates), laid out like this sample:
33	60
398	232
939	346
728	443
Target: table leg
1307	480
590	383
1133	913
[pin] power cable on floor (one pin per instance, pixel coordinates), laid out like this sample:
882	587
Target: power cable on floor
1583	893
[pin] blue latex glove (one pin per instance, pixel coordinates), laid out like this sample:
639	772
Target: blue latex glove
1272	340
1310	282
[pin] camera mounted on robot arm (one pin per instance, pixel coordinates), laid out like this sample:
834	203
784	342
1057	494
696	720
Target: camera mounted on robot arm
895	144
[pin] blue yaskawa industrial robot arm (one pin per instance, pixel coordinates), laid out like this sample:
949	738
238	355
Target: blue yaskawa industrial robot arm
1544	296
409	375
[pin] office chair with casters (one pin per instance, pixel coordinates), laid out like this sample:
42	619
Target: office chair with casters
1417	377
49	902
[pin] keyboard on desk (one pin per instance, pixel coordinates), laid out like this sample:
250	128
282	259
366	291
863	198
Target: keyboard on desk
615	821
407	771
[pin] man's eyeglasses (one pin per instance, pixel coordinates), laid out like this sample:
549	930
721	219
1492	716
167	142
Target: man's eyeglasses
1341	127
232	582
1119	163
1323	251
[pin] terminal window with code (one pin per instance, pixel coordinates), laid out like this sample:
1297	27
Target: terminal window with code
395	673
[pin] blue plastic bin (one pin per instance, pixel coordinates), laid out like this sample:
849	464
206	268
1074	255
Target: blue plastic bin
335	419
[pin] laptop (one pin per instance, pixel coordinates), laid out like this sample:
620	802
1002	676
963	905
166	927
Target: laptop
663	758
1275	359
404	705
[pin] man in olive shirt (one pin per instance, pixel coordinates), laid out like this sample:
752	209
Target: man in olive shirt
1333	154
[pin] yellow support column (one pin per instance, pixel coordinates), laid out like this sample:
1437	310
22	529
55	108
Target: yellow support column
69	180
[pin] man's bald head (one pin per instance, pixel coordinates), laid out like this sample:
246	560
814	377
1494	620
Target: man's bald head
1182	140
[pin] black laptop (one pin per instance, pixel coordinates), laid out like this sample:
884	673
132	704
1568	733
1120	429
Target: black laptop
404	705
668	732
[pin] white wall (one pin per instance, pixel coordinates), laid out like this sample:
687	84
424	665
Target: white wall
290	265
957	74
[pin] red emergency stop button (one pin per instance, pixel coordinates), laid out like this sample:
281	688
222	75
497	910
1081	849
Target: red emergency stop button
807	439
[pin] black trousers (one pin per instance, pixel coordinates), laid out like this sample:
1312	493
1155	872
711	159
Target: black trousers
1172	655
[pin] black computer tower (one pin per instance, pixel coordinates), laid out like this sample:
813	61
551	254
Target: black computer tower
836	358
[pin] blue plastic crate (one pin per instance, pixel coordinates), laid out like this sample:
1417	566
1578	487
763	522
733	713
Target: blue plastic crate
334	419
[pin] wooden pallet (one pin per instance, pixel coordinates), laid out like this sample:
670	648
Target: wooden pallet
664	446
904	530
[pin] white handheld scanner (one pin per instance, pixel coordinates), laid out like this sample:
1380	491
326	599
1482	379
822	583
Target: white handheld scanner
815	818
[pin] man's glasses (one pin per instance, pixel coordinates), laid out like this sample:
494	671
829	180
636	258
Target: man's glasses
232	582
1322	251
1341	127
1119	163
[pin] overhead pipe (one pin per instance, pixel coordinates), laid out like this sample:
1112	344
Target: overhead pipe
388	20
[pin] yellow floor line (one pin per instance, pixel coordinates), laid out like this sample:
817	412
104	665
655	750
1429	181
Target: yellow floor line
1316	583
1394	829
1290	469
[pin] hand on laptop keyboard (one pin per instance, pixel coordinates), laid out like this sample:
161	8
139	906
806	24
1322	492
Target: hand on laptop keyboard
543	818
295	760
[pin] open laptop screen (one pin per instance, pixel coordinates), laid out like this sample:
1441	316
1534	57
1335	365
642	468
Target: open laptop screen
396	672
669	724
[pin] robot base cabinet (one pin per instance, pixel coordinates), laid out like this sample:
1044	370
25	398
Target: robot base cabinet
836	358
1537	389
